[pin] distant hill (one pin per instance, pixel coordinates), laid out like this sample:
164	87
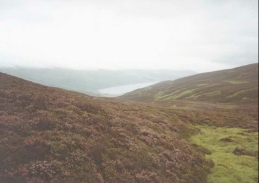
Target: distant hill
53	135
90	82
232	85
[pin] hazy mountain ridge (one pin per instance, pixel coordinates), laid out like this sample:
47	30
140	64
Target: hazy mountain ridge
232	85
90	82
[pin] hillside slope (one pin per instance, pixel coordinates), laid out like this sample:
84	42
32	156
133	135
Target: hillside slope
53	135
233	85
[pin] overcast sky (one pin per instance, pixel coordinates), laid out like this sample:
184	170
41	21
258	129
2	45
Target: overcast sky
199	35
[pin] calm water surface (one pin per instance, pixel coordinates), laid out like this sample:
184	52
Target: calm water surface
120	90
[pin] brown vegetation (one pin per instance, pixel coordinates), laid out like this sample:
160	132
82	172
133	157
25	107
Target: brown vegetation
53	135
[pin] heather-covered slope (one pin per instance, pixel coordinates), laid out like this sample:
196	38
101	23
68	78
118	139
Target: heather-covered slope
53	135
238	85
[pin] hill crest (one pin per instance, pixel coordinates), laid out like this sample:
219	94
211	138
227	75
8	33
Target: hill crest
238	85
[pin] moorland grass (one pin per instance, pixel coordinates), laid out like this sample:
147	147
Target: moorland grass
229	167
237	82
175	95
241	92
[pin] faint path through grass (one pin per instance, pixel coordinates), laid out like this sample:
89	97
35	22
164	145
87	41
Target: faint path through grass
229	167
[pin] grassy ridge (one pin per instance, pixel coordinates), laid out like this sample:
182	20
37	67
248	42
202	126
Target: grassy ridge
233	85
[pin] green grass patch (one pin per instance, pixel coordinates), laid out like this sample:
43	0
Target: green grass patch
237	82
241	92
186	92
162	96
159	95
199	85
211	94
229	167
179	93
194	96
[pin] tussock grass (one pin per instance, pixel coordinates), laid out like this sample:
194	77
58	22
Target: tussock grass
228	166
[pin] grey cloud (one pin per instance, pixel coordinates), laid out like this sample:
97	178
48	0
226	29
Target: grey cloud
245	56
129	32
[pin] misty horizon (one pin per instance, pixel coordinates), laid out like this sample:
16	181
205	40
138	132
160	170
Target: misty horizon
8	67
